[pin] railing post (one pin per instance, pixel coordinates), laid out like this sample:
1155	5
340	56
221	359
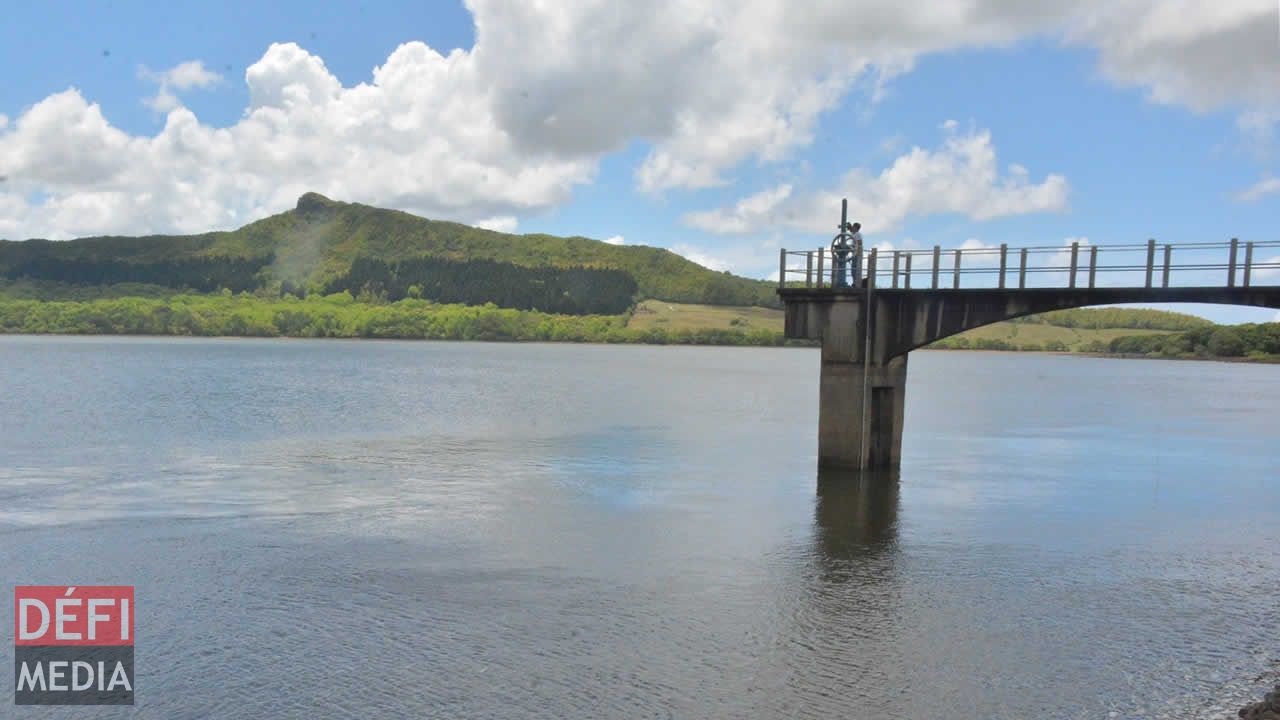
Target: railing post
1093	264
955	280
906	275
1022	270
808	269
782	268
1004	258
1151	259
937	255
895	269
1231	262
1075	256
871	268
1168	255
822	265
1248	262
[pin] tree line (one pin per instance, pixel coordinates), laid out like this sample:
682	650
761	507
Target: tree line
1253	340
201	274
557	290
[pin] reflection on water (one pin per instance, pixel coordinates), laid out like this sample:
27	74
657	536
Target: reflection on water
856	514
386	530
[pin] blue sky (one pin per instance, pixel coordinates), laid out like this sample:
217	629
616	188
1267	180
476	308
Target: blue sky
990	122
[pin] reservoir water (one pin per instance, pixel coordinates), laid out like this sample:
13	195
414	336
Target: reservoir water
419	529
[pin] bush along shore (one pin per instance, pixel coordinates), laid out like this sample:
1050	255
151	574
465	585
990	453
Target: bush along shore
340	316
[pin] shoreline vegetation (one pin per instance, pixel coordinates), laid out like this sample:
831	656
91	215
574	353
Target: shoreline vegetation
143	310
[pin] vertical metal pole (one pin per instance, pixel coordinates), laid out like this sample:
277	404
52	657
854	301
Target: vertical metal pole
1231	262
871	268
895	269
822	257
1004	262
808	269
955	280
1151	259
937	255
906	275
1168	254
1093	265
782	268
1075	255
1248	262
843	259
1022	270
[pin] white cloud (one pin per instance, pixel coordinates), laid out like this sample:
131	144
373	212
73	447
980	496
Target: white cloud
616	240
520	119
961	177
1262	188
749	214
1187	52
718	82
499	223
1267	273
701	257
183	76
421	136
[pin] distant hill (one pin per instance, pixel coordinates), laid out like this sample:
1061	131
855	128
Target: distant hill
324	246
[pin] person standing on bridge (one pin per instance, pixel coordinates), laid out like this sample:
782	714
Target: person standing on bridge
855	239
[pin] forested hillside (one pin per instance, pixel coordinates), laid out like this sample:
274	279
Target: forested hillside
316	247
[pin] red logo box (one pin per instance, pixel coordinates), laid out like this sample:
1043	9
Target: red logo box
60	615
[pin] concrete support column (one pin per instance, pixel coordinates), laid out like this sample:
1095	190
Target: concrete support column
860	412
860	404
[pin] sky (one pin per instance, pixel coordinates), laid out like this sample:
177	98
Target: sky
720	130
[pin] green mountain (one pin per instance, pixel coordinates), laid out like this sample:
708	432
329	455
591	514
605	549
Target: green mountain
324	246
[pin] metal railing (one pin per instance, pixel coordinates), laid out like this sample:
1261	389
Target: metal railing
1073	265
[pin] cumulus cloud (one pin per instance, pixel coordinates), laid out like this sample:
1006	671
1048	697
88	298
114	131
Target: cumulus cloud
749	214
616	240
499	223
1185	52
699	256
420	136
1260	189
516	122
183	76
961	176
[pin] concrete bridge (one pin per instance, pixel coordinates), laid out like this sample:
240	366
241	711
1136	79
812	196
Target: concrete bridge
867	326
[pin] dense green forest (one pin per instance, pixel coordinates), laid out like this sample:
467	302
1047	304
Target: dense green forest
566	291
310	249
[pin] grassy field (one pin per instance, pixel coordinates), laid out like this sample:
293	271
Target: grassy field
677	316
1035	334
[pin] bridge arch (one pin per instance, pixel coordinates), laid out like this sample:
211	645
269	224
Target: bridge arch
905	320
